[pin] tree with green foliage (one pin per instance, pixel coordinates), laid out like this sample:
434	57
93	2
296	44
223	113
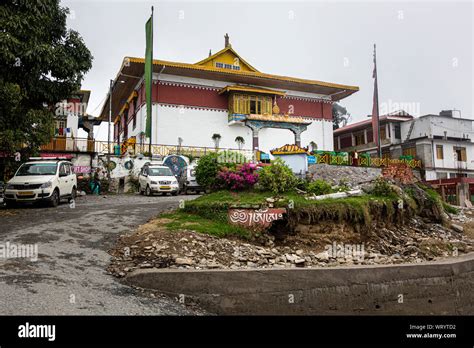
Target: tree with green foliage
42	63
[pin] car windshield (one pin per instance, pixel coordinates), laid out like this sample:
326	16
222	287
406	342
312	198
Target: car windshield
37	169
160	172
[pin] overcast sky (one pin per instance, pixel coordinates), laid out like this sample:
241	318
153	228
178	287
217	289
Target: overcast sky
425	49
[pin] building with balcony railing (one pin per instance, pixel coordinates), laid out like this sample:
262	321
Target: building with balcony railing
442	142
69	145
222	94
70	116
358	136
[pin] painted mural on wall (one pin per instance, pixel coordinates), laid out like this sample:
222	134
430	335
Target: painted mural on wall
176	163
122	166
125	166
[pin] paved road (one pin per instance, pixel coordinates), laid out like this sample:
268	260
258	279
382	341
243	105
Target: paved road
69	276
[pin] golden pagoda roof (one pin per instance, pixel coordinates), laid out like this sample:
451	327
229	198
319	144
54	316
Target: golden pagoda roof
239	72
132	70
289	149
228	49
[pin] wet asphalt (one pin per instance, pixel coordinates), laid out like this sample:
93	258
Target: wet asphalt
69	276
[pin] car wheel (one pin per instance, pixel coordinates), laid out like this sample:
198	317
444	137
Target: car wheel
73	195
148	191
54	200
175	193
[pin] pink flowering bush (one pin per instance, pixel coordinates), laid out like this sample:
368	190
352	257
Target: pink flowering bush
241	178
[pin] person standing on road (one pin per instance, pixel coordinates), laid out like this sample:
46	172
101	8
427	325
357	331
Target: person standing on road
96	182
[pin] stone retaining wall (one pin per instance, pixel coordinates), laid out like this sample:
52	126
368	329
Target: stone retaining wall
351	175
443	288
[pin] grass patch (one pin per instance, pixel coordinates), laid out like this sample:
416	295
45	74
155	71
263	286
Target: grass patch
449	208
225	197
435	198
181	220
358	209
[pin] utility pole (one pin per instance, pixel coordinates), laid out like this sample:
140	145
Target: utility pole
111	86
375	107
151	82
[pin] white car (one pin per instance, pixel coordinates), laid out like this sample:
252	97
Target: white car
45	181
188	180
157	179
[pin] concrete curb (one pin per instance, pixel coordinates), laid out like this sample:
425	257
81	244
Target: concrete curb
440	287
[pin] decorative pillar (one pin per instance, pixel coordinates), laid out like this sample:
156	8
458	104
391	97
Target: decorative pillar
297	138
255	126
255	138
297	130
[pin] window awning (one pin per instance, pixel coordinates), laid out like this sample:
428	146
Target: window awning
250	89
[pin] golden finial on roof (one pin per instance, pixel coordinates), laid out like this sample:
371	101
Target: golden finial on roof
227	42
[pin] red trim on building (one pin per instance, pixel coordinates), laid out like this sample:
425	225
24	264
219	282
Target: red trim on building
451	181
189	96
197	96
305	107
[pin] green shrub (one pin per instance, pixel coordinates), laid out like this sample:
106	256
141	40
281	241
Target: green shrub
302	184
382	188
343	186
277	177
319	187
211	164
207	169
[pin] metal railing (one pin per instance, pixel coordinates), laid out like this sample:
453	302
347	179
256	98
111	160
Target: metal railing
365	146
66	144
165	150
69	144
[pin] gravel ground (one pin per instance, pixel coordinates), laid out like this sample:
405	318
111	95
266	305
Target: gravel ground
69	276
